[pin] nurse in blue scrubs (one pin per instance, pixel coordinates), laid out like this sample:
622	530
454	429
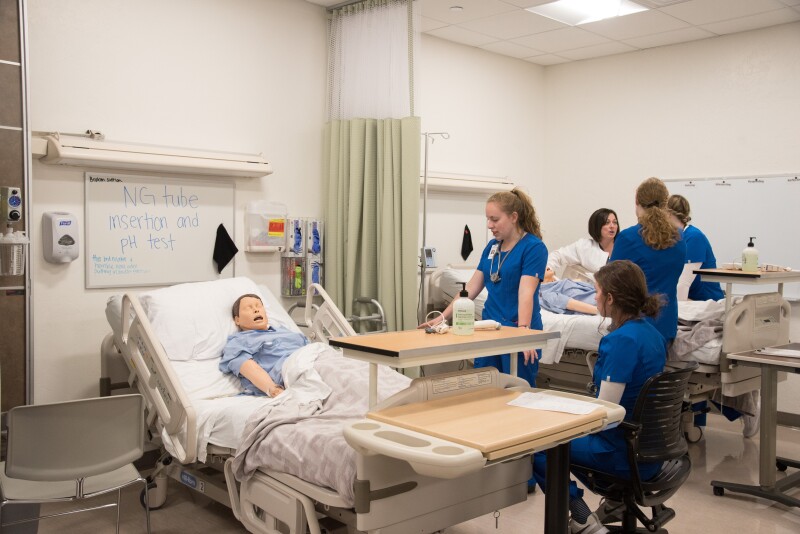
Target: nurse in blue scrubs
698	249
631	353
657	247
511	267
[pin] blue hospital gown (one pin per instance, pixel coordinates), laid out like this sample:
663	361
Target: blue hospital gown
555	295
268	348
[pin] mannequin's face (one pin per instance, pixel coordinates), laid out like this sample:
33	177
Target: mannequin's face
252	315
502	225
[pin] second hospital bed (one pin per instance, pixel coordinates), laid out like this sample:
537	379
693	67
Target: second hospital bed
754	321
167	339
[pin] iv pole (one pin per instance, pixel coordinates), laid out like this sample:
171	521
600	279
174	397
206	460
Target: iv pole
422	301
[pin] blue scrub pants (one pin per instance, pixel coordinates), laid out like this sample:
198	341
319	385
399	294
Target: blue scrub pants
503	364
595	451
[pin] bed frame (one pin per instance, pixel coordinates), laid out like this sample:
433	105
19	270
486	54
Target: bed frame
390	496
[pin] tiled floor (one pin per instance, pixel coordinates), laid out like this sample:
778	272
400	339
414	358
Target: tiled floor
722	455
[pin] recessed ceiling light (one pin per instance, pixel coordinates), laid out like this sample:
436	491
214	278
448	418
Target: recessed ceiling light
574	12
456	8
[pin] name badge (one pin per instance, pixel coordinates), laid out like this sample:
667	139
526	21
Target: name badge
492	251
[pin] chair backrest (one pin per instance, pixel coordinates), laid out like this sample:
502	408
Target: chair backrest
74	439
658	409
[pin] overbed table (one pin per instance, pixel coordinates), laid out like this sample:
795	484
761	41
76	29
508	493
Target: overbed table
486	430
768	487
730	277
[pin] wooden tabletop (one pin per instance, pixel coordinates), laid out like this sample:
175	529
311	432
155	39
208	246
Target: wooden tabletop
484	421
413	343
774	277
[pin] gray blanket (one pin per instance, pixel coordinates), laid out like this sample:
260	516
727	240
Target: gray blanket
305	439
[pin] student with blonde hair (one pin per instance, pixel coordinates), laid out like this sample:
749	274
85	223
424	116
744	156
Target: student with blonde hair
657	247
511	268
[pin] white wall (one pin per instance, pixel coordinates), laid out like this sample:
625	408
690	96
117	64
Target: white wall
727	106
240	75
493	108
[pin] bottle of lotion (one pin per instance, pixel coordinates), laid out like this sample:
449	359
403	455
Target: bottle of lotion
750	257
463	313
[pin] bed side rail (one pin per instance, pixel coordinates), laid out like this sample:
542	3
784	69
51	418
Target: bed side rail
327	320
168	407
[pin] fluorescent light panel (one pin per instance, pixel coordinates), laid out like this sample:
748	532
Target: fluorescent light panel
575	12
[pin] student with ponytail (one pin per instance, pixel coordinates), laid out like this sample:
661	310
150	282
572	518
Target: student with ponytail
630	354
657	247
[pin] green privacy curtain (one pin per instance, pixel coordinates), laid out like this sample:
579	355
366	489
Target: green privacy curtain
372	209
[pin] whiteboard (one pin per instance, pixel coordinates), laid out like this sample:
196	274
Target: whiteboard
144	231
730	210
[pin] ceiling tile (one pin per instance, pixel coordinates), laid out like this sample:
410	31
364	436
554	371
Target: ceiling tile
668	38
557	40
699	12
529	3
635	25
472	9
427	24
507	48
761	20
787	2
605	49
513	24
547	59
460	35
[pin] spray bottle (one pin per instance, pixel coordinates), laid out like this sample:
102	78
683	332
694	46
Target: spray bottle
750	257
463	313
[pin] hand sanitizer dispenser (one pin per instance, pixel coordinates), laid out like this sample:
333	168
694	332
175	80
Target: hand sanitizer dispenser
59	237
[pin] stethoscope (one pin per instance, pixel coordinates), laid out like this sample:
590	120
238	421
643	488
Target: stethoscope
495	250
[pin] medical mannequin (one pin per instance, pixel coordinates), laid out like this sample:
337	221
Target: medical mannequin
657	247
628	356
256	353
588	254
511	267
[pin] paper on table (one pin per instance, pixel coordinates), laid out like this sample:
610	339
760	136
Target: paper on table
789	353
553	403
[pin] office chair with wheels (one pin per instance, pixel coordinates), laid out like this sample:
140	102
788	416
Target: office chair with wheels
652	434
70	451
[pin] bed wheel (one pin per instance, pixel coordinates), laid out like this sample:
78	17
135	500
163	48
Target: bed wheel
781	466
694	434
719	492
157	498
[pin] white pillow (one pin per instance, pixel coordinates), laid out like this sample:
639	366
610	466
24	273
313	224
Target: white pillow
686	279
193	321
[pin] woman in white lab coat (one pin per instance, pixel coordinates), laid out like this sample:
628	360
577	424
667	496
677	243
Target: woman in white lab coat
586	255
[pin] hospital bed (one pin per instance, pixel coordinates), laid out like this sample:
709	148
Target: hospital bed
198	419
754	321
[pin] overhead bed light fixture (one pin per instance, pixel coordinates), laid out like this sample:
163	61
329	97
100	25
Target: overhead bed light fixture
575	12
93	151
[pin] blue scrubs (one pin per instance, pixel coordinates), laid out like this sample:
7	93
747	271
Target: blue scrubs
528	257
631	354
662	269
268	348
698	249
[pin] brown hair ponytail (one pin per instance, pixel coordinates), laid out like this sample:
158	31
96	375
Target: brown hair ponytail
657	230
625	281
518	201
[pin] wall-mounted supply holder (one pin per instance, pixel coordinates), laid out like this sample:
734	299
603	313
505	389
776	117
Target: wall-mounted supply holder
293	276
266	227
12	253
314	251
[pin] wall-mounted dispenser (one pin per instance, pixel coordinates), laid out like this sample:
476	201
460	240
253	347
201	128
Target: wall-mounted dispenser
59	236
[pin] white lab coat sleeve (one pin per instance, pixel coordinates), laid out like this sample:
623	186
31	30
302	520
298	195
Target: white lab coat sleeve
584	252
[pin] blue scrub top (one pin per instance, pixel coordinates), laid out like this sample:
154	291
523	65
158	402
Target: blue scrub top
631	354
662	269
698	249
528	257
268	348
